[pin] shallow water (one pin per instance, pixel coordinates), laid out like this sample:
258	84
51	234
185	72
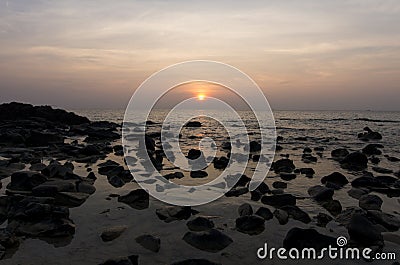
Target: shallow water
328	129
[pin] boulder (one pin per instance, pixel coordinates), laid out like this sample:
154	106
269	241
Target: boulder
370	202
149	242
173	213
320	193
279	200
333	207
362	231
282	216
355	161
210	241
264	213
296	213
137	199
372	149
111	233
250	224
339	154
335	178
307	238
198	174
245	209
200	224
283	165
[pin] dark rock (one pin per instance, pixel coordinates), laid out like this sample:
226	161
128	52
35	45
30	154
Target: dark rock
52	187
237	191
323	219
356	193
370	202
355	161
339	154
296	213
307	238
149	242
369	135
245	209
200	224
137	199
283	165
195	124
345	216
25	180
255	146
335	178
282	216
382	170
20	111
210	241
308	171
372	149
264	213
320	193
131	260
221	163
112	233
40	138
363	231
287	176
37	167
333	207
71	199
172	213
175	175
389	221
250	224
279	185
198	174
194	154
279	200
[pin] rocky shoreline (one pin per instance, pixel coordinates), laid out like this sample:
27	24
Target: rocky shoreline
40	148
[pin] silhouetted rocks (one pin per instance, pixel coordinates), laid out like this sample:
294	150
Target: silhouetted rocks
200	224
370	202
368	134
149	242
307	238
111	233
283	165
250	224
334	207
131	260
372	149
296	213
335	180
137	199
173	213
198	174
210	241
195	124
339	154
323	219
320	193
282	216
264	213
355	161
20	111
363	231
279	200
245	209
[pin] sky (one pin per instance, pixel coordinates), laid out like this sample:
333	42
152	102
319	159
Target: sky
310	54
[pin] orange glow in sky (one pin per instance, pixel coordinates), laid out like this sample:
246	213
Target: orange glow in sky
201	97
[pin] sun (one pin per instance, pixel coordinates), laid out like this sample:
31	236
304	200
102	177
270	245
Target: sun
201	97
